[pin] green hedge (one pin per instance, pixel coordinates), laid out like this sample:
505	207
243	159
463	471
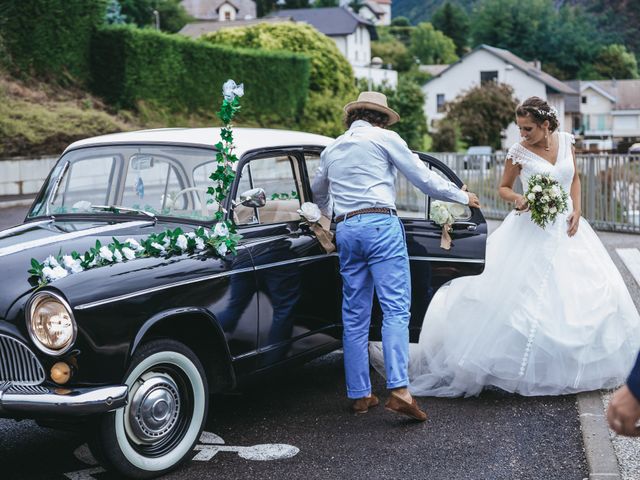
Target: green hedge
181	75
49	38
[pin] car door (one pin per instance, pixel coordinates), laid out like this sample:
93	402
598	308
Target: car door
431	265
296	281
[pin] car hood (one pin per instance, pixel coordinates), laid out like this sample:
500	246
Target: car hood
39	239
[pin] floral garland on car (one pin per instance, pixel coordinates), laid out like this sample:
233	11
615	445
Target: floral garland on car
221	239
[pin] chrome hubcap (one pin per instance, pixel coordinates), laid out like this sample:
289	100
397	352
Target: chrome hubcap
154	408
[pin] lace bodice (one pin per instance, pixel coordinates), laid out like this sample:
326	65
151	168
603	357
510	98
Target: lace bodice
533	164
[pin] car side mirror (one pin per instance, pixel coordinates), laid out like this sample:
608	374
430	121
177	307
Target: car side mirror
255	198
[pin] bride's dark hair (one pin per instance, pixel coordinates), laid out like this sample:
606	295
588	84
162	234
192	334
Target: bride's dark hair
539	111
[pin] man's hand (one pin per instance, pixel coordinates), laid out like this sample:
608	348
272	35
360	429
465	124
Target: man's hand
624	412
473	200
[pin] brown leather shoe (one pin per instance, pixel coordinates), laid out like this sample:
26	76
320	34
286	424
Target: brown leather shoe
399	405
362	405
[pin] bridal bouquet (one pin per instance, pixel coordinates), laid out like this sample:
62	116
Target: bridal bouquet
312	216
546	199
444	214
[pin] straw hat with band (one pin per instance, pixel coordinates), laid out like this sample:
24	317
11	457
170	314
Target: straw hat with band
373	101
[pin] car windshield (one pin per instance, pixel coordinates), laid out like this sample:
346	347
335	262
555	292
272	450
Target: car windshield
159	180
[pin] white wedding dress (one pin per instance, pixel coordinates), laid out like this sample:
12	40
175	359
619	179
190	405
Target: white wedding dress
549	315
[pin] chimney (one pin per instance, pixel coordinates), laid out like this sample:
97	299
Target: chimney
537	64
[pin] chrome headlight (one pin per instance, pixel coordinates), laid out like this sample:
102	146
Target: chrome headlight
51	323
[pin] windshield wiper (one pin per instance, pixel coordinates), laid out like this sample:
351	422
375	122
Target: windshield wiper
118	209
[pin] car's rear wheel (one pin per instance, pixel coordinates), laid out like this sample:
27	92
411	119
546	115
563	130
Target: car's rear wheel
165	414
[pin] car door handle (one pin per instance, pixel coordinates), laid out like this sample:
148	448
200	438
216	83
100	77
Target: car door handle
462	225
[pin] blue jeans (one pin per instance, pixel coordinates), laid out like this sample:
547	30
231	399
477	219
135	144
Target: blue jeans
373	253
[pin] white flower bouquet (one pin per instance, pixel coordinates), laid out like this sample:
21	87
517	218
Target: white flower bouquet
312	215
444	214
546	199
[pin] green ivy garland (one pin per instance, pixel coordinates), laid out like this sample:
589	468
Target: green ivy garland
221	239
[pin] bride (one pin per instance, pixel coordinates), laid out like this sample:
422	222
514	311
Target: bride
550	314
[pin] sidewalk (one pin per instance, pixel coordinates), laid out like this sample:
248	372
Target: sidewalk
9	201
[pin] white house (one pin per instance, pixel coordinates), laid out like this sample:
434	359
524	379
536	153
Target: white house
220	10
606	112
377	12
484	64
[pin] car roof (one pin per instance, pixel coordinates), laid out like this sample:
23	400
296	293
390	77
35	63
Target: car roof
245	139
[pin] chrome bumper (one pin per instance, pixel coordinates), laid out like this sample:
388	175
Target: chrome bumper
38	401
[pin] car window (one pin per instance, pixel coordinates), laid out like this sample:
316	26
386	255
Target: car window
412	203
151	184
275	175
85	183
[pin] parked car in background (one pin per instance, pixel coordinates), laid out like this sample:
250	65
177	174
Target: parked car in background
634	149
478	157
134	348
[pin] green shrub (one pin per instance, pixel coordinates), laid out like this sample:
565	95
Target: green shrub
49	38
179	75
331	82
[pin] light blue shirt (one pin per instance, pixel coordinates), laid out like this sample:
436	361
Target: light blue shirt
358	170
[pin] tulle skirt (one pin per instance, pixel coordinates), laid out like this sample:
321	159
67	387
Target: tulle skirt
549	315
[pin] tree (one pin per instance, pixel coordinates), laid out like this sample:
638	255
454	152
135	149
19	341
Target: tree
325	3
408	100
293	4
453	21
172	15
400	22
614	61
431	46
113	15
446	138
392	51
483	112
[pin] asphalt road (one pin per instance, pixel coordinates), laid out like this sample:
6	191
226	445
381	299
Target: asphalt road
493	436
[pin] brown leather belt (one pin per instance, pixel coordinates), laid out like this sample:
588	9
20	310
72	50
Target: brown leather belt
388	211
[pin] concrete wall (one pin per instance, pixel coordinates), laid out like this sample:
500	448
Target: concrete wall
24	176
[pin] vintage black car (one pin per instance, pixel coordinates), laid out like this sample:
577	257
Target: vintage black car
134	349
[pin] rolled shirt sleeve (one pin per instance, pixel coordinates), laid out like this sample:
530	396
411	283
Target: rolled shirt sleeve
429	182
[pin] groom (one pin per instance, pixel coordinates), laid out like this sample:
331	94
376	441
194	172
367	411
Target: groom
356	178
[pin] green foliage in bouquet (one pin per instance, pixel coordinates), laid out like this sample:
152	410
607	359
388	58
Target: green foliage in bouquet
546	199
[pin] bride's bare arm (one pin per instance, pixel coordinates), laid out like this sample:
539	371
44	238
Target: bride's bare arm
574	217
511	172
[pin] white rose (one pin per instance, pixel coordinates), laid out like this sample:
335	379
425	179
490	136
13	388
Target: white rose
231	90
545	199
199	244
157	246
71	264
54	273
440	214
536	188
190	235
51	261
555	191
117	255
553	210
221	230
531	196
181	241
222	249
545	209
128	253
310	212
134	244
106	253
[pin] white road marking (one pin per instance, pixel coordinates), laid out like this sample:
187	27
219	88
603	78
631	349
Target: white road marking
268	451
631	258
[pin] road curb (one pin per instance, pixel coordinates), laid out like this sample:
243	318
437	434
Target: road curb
601	458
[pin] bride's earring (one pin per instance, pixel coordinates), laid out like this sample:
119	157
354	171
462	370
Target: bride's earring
546	141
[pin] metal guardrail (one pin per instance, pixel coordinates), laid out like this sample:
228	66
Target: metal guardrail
610	187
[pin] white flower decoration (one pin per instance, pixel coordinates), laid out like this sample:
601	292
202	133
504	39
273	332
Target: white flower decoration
71	264
199	244
157	246
134	244
117	255
106	254
54	273
222	249
181	242
51	261
128	253
310	212
231	90
536	188
221	230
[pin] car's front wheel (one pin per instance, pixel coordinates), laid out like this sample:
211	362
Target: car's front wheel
165	414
